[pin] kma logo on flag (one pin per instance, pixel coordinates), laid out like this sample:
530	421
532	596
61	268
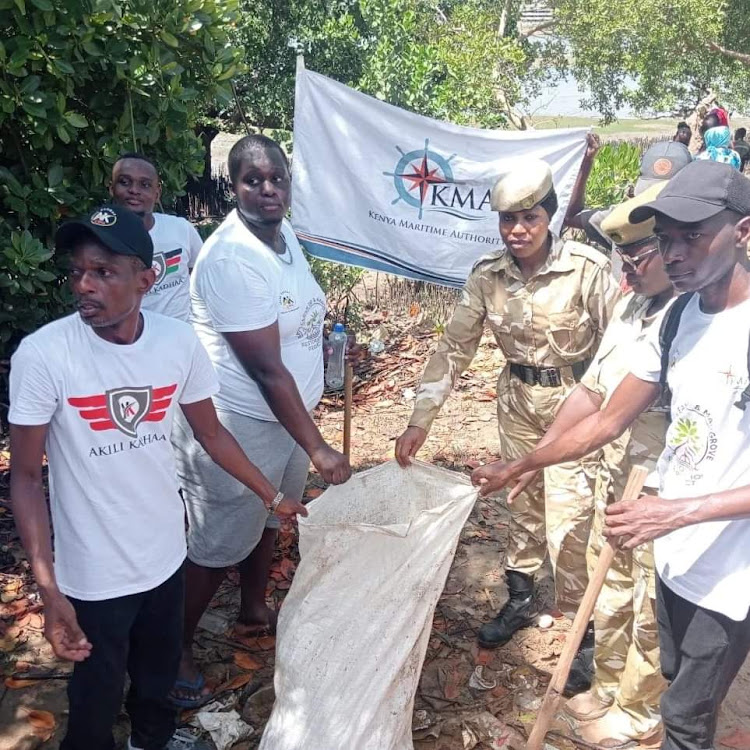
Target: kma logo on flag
166	263
424	180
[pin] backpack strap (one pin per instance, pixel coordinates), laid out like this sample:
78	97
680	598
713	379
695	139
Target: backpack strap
745	395
667	332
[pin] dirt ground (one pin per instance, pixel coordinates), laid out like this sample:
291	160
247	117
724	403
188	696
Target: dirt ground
452	708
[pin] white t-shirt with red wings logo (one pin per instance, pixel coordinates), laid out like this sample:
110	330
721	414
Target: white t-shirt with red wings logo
116	512
176	247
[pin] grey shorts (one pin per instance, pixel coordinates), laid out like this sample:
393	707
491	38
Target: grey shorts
225	519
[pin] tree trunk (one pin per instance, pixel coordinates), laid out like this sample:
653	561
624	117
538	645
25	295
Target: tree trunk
696	117
206	133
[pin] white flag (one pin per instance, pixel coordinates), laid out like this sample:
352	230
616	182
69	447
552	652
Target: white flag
379	187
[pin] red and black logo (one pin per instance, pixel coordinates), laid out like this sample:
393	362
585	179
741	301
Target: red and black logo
124	408
166	263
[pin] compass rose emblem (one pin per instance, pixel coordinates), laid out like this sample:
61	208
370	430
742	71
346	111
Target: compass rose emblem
416	172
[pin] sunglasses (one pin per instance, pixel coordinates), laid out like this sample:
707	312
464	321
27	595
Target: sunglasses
633	261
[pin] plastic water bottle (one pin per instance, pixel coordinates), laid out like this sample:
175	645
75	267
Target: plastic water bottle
336	359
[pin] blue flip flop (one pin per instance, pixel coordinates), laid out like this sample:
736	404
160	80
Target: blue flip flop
196	686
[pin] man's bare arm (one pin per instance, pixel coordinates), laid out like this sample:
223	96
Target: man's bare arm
222	447
639	521
32	520
628	401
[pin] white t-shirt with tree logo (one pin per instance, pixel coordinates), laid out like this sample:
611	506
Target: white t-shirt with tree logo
707	451
240	284
116	513
176	247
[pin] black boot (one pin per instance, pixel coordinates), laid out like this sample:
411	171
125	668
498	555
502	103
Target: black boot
582	668
519	611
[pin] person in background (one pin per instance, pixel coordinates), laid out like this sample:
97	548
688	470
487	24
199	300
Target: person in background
741	146
700	520
96	391
659	163
720	115
547	302
684	134
715	118
135	184
717	147
259	312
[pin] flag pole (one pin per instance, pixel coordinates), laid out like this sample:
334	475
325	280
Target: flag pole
348	378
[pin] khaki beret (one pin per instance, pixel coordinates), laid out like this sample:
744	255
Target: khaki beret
527	184
618	227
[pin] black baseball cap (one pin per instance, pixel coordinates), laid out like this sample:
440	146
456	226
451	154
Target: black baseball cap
119	229
662	161
699	191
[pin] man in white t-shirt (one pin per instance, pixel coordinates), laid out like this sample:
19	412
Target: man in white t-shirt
701	519
136	185
97	392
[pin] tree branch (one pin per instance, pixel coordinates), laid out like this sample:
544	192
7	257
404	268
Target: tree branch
539	27
741	56
517	119
504	19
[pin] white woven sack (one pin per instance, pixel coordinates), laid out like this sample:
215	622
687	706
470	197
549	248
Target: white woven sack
353	631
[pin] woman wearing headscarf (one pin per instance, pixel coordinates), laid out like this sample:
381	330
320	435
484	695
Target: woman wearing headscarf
547	302
718	147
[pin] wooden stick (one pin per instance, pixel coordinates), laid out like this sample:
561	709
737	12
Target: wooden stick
556	686
348	378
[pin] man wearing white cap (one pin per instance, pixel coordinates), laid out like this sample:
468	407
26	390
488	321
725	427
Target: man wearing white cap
547	302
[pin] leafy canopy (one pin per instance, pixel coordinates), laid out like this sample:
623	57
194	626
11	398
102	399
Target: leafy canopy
81	81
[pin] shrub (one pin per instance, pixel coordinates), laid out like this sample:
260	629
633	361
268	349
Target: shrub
79	84
338	282
616	167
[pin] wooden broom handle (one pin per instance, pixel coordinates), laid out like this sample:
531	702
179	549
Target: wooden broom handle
573	640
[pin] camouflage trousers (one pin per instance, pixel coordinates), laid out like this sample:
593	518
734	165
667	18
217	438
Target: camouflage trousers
626	652
555	513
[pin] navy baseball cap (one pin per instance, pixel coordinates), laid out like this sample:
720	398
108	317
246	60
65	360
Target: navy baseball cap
119	229
699	191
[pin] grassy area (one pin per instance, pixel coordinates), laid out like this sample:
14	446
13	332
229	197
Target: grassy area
665	126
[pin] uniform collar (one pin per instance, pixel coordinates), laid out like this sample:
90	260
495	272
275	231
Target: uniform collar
558	261
636	308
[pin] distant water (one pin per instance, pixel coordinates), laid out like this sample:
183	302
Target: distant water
564	99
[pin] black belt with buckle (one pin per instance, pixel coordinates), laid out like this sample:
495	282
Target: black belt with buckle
549	377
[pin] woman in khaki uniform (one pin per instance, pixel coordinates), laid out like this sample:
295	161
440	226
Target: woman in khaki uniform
622	706
547	302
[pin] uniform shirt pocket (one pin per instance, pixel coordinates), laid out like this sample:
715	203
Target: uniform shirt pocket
502	325
569	334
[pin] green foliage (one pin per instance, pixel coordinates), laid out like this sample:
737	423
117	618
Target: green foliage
30	287
445	59
81	81
654	54
207	228
338	282
616	167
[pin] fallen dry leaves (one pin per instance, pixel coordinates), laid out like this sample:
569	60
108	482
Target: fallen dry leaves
235	683
739	739
14	684
11	590
42	723
246	661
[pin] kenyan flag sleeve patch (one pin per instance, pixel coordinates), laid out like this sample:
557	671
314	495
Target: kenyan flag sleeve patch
166	263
